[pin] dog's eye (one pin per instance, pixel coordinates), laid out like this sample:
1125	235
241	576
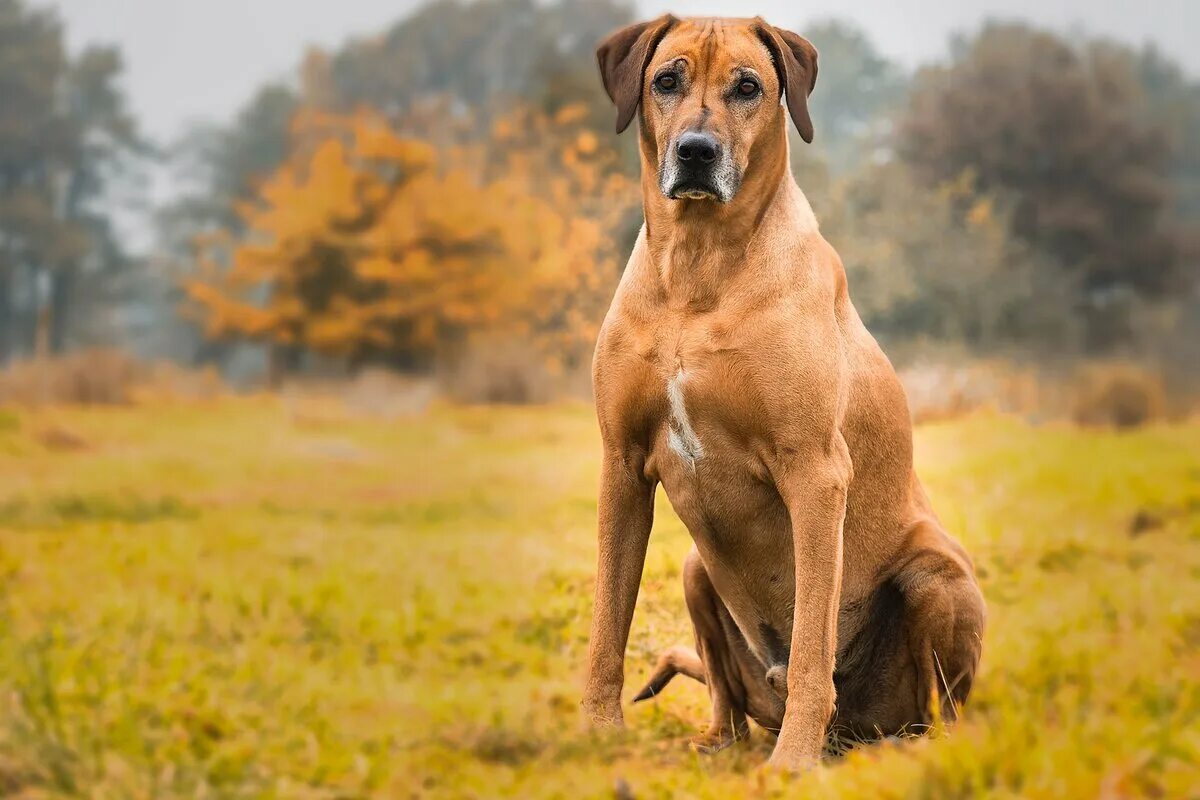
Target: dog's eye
747	88
666	83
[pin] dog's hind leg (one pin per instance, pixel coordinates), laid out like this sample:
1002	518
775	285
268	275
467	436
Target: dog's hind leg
946	622
736	679
915	657
674	661
713	623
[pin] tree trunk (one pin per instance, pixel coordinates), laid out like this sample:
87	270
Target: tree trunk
29	315
6	316
62	287
282	361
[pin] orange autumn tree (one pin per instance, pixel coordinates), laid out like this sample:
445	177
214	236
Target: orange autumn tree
374	246
559	159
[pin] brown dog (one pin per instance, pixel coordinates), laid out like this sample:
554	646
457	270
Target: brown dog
733	369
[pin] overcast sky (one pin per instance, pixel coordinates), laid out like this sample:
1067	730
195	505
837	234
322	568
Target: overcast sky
200	59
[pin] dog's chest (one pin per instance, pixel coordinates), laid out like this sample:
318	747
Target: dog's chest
710	445
705	374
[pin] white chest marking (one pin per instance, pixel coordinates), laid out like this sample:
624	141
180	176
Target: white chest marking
682	437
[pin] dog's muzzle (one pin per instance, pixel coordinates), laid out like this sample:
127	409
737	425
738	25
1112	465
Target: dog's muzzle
697	167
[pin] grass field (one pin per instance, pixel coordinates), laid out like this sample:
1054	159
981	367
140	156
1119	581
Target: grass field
257	599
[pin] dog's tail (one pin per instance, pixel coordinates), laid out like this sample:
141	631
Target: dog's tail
675	661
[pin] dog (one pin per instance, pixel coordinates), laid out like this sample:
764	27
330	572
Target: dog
733	370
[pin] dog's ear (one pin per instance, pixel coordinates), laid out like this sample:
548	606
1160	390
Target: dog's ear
623	58
796	63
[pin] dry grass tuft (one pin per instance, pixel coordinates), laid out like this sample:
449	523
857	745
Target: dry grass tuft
1118	395
938	391
499	373
89	377
1105	394
388	395
102	377
56	437
165	382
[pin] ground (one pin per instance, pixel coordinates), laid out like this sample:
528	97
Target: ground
269	597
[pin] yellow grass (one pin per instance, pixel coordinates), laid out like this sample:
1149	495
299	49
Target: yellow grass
250	598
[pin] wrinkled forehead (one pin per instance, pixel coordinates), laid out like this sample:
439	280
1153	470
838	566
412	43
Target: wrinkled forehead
714	46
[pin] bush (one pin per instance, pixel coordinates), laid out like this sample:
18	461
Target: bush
1118	395
101	377
938	391
498	374
89	377
1096	394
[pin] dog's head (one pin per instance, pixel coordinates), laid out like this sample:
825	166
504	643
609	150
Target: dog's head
709	90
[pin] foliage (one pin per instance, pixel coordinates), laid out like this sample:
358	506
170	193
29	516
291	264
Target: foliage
857	91
483	56
371	246
229	163
449	73
473	52
1174	101
64	130
1067	131
939	264
317	604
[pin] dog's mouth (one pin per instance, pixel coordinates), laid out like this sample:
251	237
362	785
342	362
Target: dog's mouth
716	183
693	191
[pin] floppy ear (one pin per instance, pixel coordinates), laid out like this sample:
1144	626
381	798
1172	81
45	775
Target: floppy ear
796	62
623	58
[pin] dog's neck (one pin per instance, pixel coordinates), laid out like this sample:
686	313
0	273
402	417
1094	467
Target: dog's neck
698	247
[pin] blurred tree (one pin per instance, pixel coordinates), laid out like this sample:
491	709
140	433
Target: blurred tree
442	74
227	164
223	166
1064	129
941	265
474	59
857	90
481	58
366	247
475	53
31	62
105	140
63	131
1175	102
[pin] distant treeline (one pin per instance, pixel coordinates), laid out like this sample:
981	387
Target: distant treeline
453	181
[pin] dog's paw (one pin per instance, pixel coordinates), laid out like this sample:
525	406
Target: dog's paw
714	741
602	716
795	763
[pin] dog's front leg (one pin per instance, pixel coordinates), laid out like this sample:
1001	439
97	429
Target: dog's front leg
626	514
814	490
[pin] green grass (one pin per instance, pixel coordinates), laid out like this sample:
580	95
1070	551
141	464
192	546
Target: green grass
244	599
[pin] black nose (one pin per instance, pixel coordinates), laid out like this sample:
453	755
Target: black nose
700	147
